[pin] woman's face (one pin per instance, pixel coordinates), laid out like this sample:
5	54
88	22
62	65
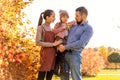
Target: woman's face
64	19
51	18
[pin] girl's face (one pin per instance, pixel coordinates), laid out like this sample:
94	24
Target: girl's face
51	18
64	19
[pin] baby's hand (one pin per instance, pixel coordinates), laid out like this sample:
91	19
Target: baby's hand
64	26
68	27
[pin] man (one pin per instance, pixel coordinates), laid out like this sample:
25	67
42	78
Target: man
79	36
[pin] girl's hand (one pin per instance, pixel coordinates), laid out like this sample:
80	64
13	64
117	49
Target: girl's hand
70	24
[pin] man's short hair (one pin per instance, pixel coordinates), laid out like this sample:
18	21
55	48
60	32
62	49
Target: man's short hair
82	10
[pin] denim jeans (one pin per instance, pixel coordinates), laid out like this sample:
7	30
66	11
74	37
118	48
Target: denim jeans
65	76
73	60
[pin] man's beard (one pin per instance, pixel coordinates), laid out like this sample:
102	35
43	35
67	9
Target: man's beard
79	23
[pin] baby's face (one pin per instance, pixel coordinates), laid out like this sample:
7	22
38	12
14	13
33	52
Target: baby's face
64	19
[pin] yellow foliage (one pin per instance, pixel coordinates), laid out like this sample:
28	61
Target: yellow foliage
18	54
103	51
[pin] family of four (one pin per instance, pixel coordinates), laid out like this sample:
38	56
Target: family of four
63	44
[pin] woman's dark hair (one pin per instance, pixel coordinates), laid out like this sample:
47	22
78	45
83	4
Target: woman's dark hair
82	10
47	12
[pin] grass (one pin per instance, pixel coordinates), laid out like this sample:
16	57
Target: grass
107	74
110	71
102	78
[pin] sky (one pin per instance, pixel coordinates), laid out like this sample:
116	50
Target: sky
103	16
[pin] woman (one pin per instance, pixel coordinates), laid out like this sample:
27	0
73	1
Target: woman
45	38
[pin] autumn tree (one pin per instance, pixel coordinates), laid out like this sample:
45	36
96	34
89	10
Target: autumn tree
103	51
114	57
92	62
18	53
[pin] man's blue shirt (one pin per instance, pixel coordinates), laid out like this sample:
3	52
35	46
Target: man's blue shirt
79	36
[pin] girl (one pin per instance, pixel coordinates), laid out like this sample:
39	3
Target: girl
45	39
61	28
61	31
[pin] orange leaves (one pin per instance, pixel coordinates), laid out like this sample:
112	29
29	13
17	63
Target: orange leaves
19	58
18	53
22	56
1	11
10	56
10	12
1	54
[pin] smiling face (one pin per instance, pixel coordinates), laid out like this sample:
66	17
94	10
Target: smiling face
51	18
64	19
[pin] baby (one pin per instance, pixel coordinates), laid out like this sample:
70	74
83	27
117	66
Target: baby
61	32
61	28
